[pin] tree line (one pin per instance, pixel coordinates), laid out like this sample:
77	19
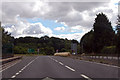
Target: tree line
102	38
46	45
7	43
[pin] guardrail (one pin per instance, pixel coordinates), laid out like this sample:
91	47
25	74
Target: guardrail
103	57
3	61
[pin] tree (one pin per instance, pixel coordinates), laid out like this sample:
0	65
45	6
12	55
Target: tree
103	33
7	43
118	35
86	42
6	38
49	50
20	50
47	45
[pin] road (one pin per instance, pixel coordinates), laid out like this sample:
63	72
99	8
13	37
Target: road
59	67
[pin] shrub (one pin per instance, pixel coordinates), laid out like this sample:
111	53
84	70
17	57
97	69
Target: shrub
109	50
20	50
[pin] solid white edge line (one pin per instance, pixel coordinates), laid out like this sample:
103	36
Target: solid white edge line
9	66
70	68
86	77
29	63
25	67
101	64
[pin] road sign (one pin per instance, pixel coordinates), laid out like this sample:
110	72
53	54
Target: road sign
31	50
74	48
38	50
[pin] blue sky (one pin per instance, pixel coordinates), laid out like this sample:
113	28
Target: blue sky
44	18
52	25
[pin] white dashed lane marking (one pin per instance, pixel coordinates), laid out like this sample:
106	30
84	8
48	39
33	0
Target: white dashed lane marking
56	60
61	63
17	73
86	77
20	71
69	68
24	68
13	76
9	66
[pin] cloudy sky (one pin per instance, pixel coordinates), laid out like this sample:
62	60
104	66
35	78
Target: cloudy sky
56	18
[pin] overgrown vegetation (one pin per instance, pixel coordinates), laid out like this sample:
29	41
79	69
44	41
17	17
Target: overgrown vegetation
118	35
46	45
7	43
102	39
108	50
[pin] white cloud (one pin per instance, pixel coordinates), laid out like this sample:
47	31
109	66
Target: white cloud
76	36
78	29
76	16
29	29
41	7
37	28
10	30
59	28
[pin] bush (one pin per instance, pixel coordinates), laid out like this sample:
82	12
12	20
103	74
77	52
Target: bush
20	50
109	50
49	50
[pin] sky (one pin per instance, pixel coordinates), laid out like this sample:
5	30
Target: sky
69	19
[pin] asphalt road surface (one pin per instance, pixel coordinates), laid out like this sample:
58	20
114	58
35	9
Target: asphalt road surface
59	67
